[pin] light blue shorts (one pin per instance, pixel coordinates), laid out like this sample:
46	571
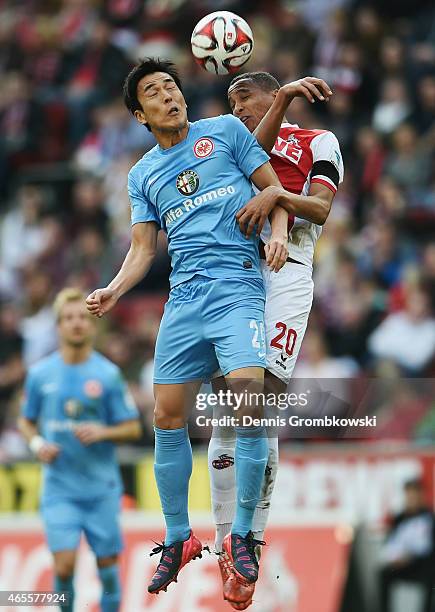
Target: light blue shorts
65	520
209	324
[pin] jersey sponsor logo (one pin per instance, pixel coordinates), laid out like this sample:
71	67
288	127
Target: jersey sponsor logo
50	387
281	365
224	461
336	162
73	408
192	203
288	148
187	182
60	426
203	147
93	389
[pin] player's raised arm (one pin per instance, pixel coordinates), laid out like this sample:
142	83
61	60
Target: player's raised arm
136	264
311	88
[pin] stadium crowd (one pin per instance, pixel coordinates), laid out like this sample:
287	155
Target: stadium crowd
67	143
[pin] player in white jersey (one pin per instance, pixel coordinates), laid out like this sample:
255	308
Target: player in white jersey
310	167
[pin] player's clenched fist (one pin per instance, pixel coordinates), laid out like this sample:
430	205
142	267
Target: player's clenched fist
101	301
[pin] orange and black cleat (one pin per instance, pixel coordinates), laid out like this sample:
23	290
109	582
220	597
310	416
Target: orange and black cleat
241	553
239	596
174	557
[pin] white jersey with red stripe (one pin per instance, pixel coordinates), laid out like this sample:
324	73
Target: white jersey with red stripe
295	152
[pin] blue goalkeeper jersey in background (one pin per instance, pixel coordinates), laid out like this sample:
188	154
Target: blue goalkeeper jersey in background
59	396
193	191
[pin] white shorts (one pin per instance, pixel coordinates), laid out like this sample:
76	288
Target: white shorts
289	296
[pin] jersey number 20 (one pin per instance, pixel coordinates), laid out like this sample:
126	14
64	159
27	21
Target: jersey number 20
290	339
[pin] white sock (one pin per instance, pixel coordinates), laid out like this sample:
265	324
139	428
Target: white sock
263	507
221	531
222	485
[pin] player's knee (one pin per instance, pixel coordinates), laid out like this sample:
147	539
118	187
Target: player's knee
64	570
107	561
165	419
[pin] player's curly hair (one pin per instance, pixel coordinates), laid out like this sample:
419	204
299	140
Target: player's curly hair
263	80
146	66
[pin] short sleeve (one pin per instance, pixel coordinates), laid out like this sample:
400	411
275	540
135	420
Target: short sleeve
31	406
142	210
328	165
247	152
121	406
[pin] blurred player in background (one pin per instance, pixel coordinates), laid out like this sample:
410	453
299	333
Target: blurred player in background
76	408
408	553
309	166
191	185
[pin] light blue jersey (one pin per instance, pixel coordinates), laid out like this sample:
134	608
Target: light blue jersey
193	191
59	396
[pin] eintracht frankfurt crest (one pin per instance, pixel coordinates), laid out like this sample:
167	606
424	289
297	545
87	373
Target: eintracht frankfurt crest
187	182
203	147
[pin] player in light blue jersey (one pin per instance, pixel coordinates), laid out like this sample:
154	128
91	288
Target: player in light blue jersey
76	407
191	185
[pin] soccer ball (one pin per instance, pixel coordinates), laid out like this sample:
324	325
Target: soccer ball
222	42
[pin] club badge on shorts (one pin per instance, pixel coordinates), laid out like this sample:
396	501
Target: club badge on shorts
187	182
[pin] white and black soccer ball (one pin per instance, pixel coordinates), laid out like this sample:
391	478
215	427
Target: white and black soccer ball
222	42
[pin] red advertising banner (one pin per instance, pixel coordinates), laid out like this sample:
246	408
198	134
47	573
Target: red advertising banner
302	570
359	485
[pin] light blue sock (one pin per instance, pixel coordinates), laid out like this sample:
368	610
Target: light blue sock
251	455
172	468
61	584
111	588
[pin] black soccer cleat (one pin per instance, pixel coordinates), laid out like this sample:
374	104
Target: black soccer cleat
174	557
241	552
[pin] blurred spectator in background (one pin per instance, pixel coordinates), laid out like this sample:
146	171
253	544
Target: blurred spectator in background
315	361
22	236
393	106
21	126
408	554
11	355
38	326
94	73
409	163
406	338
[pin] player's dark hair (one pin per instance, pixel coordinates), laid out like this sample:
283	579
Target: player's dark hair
146	66
263	80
